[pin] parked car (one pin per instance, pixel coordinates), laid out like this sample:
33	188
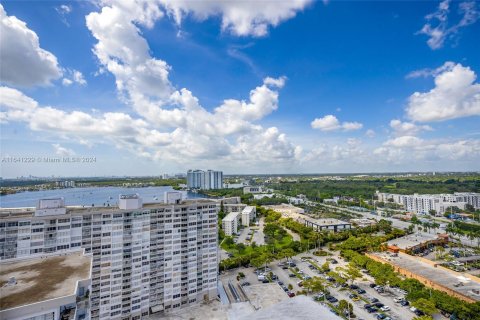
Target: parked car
292	275
352	295
378	304
404	303
354	287
372	285
280	283
371	309
373	300
381	316
331	299
291	294
397	300
265	281
419	313
285	289
361	291
366	306
385	308
246	283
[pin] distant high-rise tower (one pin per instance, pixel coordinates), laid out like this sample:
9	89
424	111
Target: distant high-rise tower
199	179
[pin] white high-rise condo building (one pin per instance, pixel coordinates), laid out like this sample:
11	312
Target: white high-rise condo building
205	180
424	203
145	258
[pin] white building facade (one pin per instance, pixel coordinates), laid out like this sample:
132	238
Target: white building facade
423	204
145	259
249	214
204	180
230	223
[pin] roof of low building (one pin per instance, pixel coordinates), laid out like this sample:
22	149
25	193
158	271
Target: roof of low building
299	307
444	277
231	216
41	278
412	240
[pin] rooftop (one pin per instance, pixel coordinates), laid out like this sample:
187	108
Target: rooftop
444	277
249	209
299	307
231	216
412	240
326	222
41	278
8	213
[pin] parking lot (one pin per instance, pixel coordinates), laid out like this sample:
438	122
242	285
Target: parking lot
260	294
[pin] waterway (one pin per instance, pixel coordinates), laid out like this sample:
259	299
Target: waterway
97	196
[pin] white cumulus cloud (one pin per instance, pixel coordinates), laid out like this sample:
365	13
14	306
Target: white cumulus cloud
62	151
24	62
73	76
407	128
455	95
331	123
241	18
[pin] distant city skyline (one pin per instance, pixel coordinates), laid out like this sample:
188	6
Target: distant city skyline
385	173
129	89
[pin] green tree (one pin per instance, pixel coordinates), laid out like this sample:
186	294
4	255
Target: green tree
469	208
287	253
241	247
425	305
228	241
385	225
313	285
325	267
258	261
423	318
353	272
345	307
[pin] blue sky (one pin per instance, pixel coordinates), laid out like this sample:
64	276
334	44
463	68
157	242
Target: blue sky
275	87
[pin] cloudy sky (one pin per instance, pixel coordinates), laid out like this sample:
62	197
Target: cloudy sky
147	87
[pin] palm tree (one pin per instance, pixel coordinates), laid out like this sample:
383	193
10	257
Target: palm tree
435	226
313	285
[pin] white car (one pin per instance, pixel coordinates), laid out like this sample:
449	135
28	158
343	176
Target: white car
413	309
385	308
398	300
